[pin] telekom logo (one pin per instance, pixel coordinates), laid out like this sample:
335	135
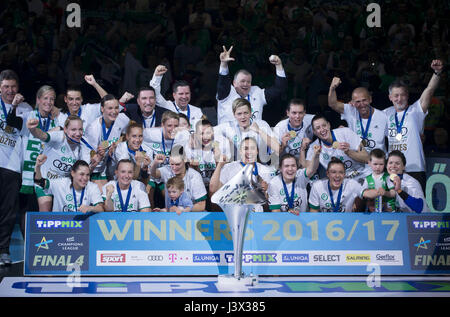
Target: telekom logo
172	257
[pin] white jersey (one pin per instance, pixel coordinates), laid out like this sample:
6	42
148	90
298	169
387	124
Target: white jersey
377	127
410	143
122	152
412	187
87	113
31	148
231	131
193	184
193	113
63	195
320	196
61	155
11	141
205	158
229	170
138	196
278	199
94	136
353	169
294	144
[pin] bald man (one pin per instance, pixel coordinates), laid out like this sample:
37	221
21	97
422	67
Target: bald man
368	123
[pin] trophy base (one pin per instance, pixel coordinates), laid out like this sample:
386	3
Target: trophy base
231	280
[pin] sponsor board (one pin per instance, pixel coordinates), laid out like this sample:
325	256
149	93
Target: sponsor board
260	258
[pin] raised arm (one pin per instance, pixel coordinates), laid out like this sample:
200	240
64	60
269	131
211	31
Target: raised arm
90	79
155	82
224	81
427	94
280	85
332	98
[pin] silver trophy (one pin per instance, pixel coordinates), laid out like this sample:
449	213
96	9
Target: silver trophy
237	198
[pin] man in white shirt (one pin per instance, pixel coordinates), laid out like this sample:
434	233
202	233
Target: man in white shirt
362	118
406	122
241	87
12	108
181	95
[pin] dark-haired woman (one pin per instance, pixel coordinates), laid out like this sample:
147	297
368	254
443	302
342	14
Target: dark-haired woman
75	193
336	193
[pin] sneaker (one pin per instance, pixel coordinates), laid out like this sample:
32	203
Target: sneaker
5	259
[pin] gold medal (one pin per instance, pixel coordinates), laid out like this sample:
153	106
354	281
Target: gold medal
9	129
398	136
92	153
392	176
105	144
292	134
215	144
365	142
335	144
316	147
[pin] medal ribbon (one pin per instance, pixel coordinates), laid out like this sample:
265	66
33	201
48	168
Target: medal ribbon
333	137
397	125
164	144
174	203
255	169
122	206
47	123
365	132
4	109
75	197
289	197
188	111
106	133
338	201
153	120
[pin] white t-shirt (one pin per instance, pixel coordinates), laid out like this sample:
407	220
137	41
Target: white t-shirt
60	155
87	113
353	169
11	141
305	131
205	158
277	194
193	113
62	191
138	197
320	197
410	144
94	136
123	153
193	184
411	186
231	131
377	128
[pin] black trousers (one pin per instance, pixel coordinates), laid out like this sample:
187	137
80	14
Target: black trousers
9	193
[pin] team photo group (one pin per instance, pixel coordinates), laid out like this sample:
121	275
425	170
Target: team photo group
166	155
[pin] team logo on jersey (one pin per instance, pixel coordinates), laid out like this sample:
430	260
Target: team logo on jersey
69	197
324	196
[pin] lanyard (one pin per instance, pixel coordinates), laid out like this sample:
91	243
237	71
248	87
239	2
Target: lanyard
75	197
164	144
255	169
122	206
289	197
365	132
333	138
338	201
134	152
4	109
399	126
188	111
153	120
47	123
106	133
291	128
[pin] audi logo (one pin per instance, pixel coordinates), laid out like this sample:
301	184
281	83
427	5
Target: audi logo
64	167
154	258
